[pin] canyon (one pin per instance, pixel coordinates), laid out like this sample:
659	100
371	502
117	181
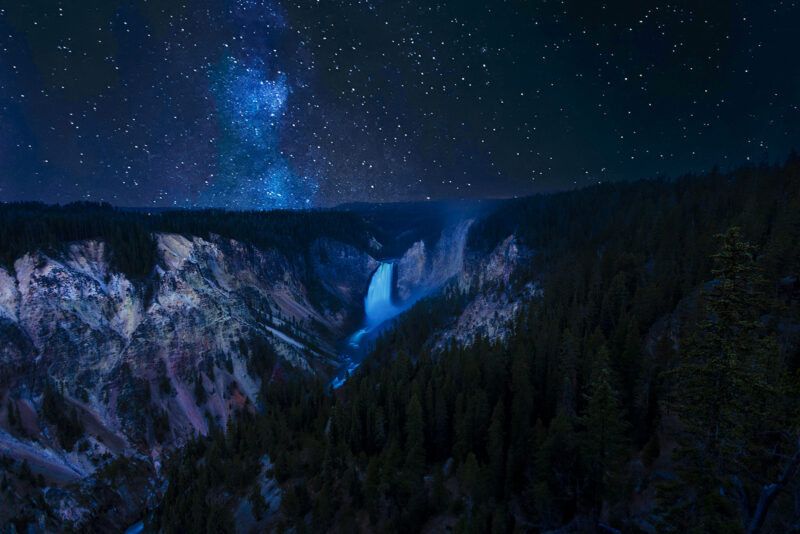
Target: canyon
140	368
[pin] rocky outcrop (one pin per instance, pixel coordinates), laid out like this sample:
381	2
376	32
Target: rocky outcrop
496	301
343	270
490	315
144	366
498	267
422	269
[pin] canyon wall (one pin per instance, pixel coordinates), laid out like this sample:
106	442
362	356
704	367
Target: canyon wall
147	365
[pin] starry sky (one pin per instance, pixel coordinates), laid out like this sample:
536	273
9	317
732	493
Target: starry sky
289	104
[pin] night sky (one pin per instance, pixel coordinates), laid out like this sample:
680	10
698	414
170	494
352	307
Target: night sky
261	104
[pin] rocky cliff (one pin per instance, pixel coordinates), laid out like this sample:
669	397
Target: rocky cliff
424	268
343	270
101	376
140	367
495	299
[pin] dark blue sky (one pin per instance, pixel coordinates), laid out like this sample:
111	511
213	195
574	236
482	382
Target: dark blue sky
251	104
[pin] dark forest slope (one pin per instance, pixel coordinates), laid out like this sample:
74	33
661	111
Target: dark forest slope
593	415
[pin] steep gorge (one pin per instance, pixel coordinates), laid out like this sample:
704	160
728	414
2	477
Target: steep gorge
145	367
139	368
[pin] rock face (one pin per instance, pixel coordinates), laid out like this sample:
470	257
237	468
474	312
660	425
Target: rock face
422	269
343	270
146	365
497	302
498	267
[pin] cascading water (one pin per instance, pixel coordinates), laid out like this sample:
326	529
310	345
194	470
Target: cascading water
378	308
378	305
447	261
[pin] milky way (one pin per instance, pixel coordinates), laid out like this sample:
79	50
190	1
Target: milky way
251	167
255	104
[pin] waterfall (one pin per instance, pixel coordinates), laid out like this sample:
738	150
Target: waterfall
378	308
378	305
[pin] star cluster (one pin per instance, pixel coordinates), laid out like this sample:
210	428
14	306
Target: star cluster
260	104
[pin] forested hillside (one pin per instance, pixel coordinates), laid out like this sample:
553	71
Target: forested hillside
652	387
26	227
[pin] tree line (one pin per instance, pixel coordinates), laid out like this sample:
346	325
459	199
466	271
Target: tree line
30	226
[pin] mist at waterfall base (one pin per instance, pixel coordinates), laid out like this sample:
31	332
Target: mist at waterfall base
379	310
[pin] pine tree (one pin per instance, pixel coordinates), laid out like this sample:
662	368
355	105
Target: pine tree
630	364
12	420
199	390
415	460
496	450
469	478
724	389
258	502
520	425
555	462
603	443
